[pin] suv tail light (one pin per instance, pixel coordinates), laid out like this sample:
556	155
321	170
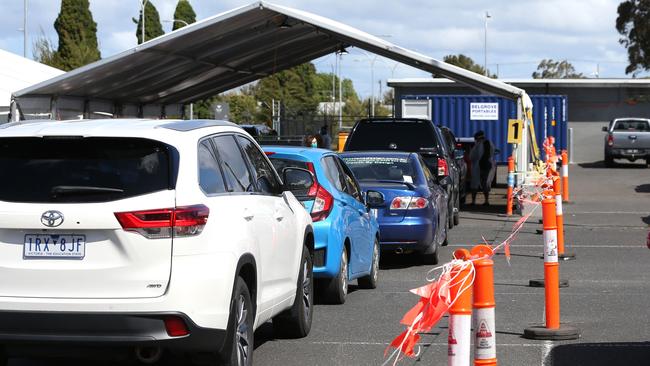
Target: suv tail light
443	169
323	203
408	203
610	140
166	222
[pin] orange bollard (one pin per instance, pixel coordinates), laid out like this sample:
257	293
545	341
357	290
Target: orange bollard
552	330
511	185
460	314
565	176
559	217
551	266
485	351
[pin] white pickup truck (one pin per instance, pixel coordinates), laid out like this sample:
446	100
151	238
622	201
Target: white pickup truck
627	138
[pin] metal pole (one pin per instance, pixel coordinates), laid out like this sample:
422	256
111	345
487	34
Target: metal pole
191	110
372	86
340	94
25	29
487	16
571	145
144	3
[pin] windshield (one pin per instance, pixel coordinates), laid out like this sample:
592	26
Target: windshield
75	169
632	125
381	168
400	136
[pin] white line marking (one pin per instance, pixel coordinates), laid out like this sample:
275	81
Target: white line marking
546	349
610	212
337	343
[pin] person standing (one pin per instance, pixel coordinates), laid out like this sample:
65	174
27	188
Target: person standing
325	137
483	166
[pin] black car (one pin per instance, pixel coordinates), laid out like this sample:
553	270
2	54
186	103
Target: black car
459	163
412	135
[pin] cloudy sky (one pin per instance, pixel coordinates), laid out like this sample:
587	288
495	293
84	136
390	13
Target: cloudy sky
520	33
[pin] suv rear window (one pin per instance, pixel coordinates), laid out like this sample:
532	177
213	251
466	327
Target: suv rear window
390	135
75	169
632	125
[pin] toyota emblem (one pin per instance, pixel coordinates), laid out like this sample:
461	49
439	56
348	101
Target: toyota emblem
52	218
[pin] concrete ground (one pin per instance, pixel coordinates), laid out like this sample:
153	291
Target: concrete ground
607	299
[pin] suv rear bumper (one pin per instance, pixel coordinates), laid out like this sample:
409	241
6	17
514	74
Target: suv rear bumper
104	329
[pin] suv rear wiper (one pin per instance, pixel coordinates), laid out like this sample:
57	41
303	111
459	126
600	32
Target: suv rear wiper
66	190
410	185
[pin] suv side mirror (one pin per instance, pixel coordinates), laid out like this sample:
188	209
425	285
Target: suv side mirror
605	129
297	181
374	199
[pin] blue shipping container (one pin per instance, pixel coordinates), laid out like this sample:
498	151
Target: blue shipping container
455	112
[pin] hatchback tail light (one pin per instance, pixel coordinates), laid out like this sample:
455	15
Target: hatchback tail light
610	140
408	203
166	222
323	203
443	169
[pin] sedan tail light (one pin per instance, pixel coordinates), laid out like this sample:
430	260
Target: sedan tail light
610	140
323	203
166	222
408	203
443	169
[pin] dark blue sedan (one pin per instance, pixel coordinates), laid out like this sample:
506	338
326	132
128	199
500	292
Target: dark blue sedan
414	214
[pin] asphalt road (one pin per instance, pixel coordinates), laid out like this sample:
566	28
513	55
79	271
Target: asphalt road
607	299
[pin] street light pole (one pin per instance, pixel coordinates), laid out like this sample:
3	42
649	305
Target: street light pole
176	20
487	16
144	3
25	29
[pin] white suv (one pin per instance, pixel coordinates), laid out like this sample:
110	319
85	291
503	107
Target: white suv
148	236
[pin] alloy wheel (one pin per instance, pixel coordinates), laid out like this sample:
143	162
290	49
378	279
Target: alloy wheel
306	289
243	345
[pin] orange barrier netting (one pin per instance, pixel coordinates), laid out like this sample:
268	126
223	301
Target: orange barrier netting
457	276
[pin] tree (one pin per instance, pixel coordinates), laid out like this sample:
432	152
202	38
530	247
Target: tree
77	36
185	13
294	88
549	69
633	23
152	26
44	52
466	63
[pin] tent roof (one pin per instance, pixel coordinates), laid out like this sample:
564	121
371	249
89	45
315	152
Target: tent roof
232	49
17	72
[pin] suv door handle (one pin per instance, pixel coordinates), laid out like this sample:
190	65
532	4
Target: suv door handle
248	214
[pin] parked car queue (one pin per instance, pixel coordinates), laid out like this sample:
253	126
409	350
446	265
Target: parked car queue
186	237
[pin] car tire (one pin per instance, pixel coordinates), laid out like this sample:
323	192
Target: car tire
609	161
457	213
242	341
336	289
429	257
370	281
450	217
446	241
296	321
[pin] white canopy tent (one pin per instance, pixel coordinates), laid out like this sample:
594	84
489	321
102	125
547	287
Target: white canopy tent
220	53
17	73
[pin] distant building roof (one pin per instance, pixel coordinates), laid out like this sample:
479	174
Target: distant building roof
523	83
17	72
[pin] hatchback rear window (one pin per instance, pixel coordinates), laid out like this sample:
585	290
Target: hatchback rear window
381	168
632	125
75	169
400	136
280	163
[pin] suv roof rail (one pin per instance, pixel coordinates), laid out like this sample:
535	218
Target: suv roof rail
195	124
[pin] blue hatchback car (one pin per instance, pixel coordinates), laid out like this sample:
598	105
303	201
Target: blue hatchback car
346	232
414	215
